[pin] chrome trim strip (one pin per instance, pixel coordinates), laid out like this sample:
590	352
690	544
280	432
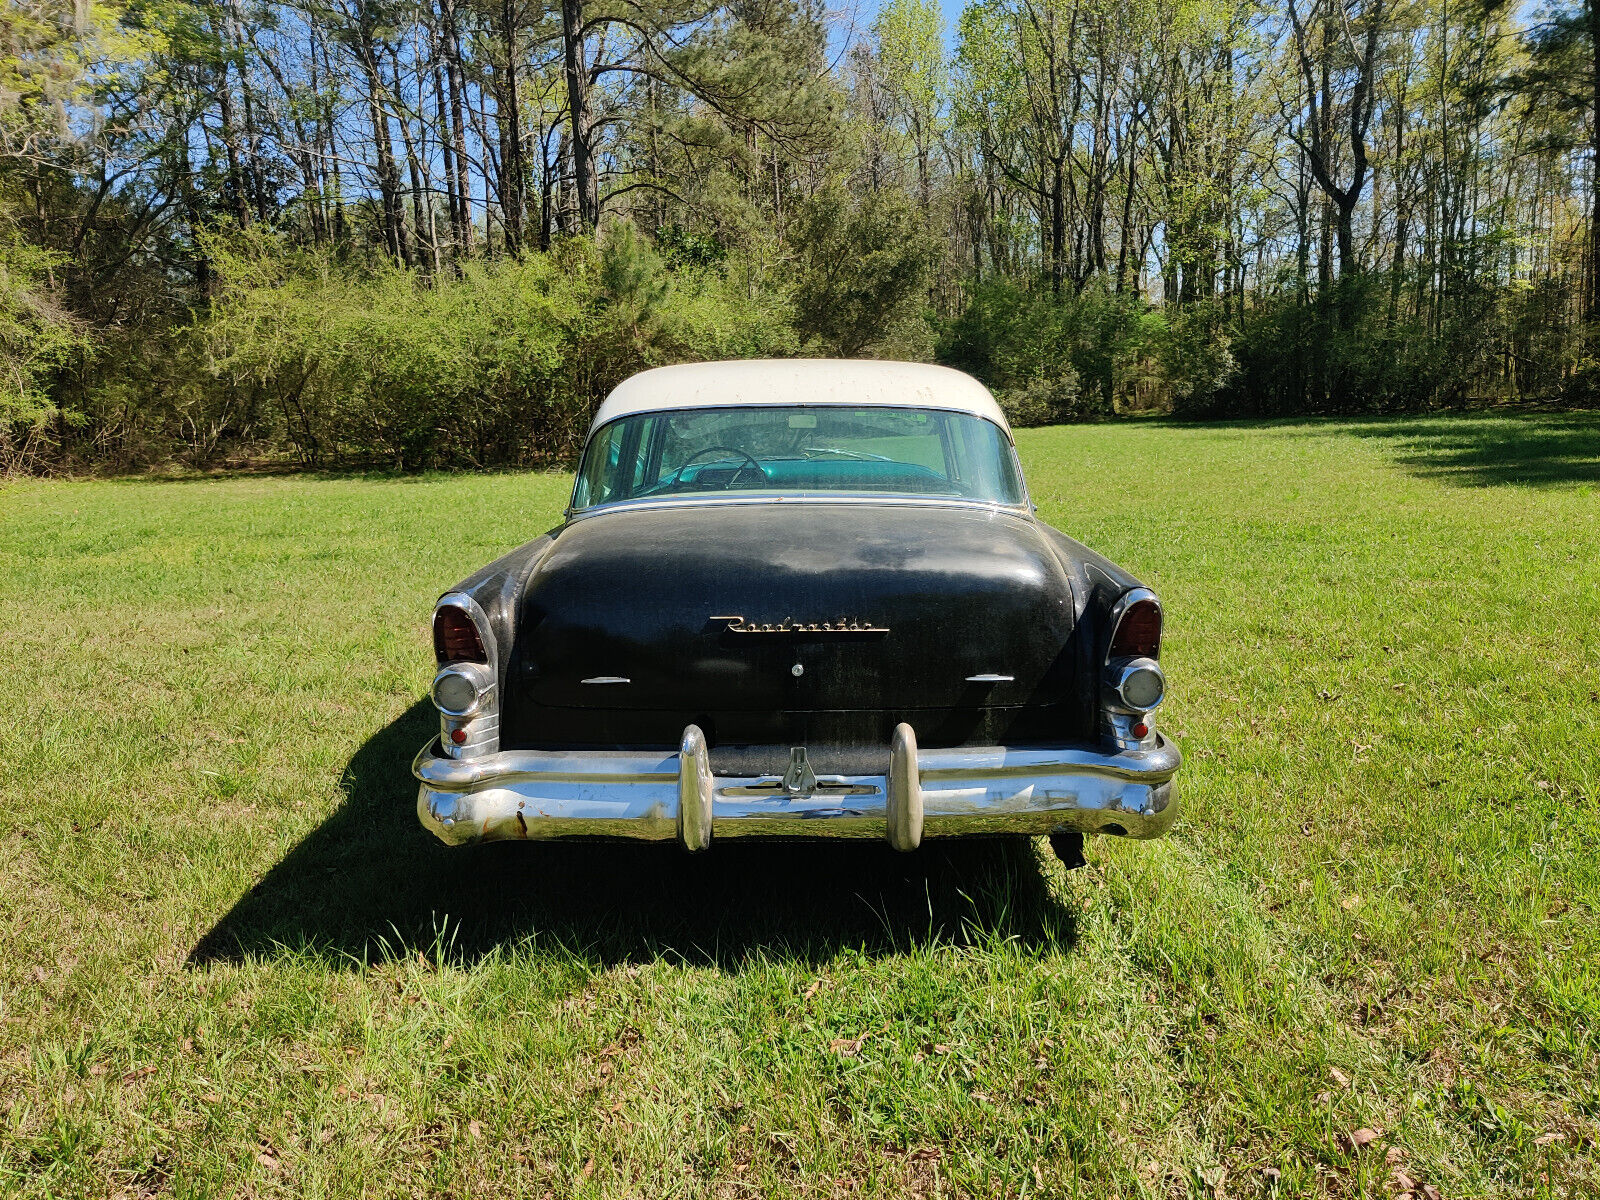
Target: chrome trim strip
639	794
991	678
607	679
878	498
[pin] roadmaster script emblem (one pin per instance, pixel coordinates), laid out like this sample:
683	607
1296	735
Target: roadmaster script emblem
738	624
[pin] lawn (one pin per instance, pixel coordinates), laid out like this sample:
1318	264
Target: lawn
1366	962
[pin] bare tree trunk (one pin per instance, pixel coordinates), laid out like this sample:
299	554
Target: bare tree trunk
578	117
447	154
513	174
230	146
458	121
1058	226
1591	280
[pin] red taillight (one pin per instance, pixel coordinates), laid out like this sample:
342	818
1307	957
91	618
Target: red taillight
455	637
1138	634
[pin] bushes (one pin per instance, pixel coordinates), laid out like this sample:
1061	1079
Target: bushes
36	338
500	365
328	361
1059	358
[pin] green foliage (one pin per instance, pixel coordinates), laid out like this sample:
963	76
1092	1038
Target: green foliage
863	264
502	363
1063	358
36	339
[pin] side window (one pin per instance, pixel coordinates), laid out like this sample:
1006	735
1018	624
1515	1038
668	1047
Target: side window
597	480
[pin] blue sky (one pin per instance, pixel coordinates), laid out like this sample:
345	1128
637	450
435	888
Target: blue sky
861	12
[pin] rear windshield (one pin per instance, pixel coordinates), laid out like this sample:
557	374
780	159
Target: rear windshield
772	448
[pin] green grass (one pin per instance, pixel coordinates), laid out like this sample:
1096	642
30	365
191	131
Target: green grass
234	965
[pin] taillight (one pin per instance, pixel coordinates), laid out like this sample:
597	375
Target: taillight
1138	633
455	637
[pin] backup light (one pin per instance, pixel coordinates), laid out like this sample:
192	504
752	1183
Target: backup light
456	693
1143	687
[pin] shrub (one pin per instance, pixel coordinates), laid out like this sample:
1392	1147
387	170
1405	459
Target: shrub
500	365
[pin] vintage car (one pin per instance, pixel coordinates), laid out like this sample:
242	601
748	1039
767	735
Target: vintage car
798	599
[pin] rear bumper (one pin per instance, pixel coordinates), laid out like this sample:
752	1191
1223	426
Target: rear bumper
666	796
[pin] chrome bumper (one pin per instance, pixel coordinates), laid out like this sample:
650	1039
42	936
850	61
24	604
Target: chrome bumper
656	796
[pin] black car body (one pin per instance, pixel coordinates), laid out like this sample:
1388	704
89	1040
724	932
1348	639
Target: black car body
798	599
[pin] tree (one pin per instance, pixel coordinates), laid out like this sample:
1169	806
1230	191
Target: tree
865	261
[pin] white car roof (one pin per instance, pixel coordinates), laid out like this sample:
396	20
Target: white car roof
799	381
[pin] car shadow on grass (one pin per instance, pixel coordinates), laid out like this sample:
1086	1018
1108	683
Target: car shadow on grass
1481	448
369	882
1530	449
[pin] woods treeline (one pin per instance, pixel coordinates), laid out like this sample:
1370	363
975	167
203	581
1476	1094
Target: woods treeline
436	232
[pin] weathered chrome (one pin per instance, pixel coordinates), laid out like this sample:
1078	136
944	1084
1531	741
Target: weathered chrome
1116	729
482	722
799	779
639	794
991	678
694	790
903	808
607	679
737	624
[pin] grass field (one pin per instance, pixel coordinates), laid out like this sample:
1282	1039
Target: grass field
1366	963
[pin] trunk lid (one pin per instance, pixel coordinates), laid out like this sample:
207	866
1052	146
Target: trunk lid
928	597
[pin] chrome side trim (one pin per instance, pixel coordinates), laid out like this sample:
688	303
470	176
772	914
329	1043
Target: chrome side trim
991	678
903	810
607	679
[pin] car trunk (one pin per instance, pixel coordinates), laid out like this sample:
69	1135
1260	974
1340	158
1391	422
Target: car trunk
720	613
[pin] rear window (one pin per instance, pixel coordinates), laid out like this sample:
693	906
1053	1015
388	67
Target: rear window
834	448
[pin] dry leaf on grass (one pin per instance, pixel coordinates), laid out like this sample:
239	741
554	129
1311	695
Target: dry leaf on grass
846	1047
1363	1137
474	1130
1351	902
1339	1077
137	1074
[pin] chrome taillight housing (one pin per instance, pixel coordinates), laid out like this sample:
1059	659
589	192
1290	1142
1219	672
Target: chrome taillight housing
465	690
1133	684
